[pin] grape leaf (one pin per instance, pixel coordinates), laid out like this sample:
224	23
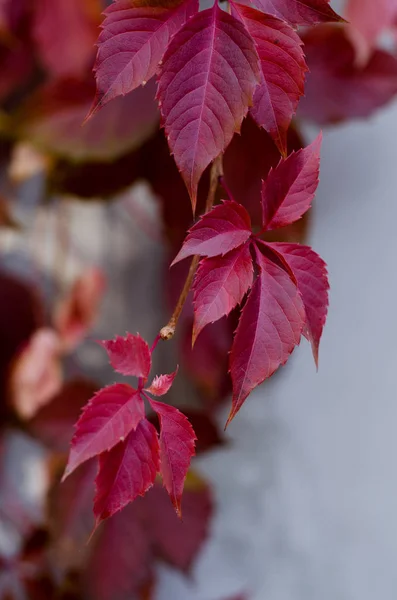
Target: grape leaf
225	227
283	71
129	355
299	12
289	189
161	384
128	470
108	418
69	53
206	84
310	272
134	37
176	449
220	284
270	326
337	88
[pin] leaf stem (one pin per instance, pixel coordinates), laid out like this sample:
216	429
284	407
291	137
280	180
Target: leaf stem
168	331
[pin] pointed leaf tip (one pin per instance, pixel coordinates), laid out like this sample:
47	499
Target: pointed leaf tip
177	446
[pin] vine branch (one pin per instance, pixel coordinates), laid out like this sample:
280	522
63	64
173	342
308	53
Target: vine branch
168	331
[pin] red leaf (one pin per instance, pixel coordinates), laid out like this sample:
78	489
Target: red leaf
53	424
270	327
134	38
206	85
108	418
299	12
311	275
68	53
220	284
289	189
283	72
129	355
121	559
127	471
176	449
52	118
161	384
175	541
337	88
225	227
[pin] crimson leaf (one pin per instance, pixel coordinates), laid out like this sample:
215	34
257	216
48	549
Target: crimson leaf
289	189
129	355
299	12
176	449
337	88
206	85
270	327
161	384
127	471
220	284
310	272
108	418
283	71
134	38
225	227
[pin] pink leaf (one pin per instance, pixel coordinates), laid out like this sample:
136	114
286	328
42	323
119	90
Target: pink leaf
176	449
129	355
311	275
225	227
108	418
368	20
220	284
283	72
289	189
76	313
270	327
299	12
36	375
337	88
206	85
161	384
134	38
127	471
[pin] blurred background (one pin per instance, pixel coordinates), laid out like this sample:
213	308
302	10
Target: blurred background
297	501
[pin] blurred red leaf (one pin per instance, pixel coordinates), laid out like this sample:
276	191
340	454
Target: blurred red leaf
53	424
77	311
299	12
178	541
368	20
336	87
52	120
65	32
16	63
